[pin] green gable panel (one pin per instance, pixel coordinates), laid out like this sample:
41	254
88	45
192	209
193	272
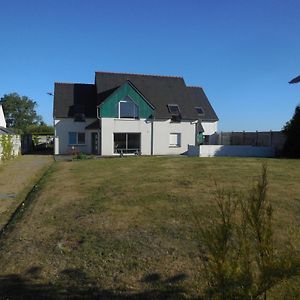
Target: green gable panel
109	108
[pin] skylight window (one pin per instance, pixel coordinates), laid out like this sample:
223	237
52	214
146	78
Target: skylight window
174	109
200	110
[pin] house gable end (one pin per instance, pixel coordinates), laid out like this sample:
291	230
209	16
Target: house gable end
109	107
2	118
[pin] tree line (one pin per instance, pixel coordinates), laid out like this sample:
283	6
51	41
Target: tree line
21	116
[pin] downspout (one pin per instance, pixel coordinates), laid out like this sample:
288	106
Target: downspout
99	132
152	135
196	134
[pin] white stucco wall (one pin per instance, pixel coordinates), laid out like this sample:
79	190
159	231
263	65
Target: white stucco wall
161	141
109	126
161	135
2	118
62	128
209	127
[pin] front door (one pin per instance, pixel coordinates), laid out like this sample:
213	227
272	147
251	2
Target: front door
95	142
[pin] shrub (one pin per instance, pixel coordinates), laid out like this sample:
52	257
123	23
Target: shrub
81	156
238	248
7	147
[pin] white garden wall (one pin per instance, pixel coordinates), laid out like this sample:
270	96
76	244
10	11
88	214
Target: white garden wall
234	151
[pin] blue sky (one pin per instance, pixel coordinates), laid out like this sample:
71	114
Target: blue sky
243	53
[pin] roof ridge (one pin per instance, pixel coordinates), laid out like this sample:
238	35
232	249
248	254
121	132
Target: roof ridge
194	86
141	74
58	82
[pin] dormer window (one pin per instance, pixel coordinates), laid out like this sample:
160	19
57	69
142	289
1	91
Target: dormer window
174	109
200	111
128	109
78	112
78	117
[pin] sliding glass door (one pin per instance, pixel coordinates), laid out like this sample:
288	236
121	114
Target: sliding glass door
127	143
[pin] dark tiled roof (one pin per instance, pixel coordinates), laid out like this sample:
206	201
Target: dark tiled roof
158	90
4	130
72	98
94	125
161	91
295	80
199	99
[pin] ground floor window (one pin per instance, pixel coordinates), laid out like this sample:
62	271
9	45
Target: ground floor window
76	138
175	139
127	143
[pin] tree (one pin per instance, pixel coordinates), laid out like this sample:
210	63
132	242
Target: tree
292	132
238	247
19	111
40	129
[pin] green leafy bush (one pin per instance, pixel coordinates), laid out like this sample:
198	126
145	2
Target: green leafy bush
7	147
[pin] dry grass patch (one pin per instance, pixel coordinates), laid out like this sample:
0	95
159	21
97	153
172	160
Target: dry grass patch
18	176
111	227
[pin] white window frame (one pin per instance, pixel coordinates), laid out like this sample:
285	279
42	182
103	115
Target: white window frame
77	133
178	140
136	108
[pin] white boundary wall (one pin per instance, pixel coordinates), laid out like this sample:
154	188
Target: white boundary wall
233	151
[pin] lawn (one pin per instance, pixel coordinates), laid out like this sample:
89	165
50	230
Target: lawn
124	227
18	176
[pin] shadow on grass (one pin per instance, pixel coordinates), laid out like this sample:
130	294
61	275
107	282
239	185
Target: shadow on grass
75	284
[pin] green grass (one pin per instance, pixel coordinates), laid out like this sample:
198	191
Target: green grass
124	226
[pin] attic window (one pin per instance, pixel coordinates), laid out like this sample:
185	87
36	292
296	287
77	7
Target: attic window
200	111
128	109
78	117
174	109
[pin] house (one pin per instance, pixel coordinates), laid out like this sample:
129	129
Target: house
3	129
2	118
295	80
8	137
131	114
